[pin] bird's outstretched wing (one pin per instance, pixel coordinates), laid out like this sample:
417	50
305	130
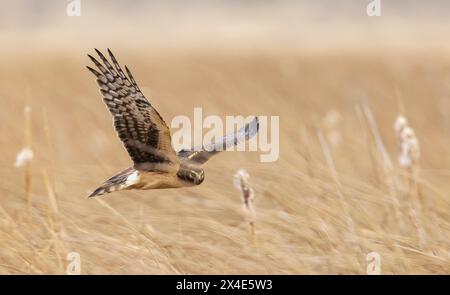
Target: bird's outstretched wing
142	130
200	155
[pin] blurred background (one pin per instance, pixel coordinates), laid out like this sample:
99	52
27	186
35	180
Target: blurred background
318	26
325	67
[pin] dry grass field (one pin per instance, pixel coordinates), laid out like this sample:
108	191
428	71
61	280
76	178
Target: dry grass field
320	209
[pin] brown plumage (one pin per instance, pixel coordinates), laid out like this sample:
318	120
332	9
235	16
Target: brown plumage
146	136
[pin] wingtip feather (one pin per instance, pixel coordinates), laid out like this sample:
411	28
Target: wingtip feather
98	192
252	128
94	60
93	71
257	123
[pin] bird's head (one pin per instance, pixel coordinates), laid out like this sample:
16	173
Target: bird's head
191	174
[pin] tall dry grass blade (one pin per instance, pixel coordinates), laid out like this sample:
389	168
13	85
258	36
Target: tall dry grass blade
48	137
377	137
47	128
24	158
307	154
387	166
378	178
434	227
344	205
332	168
369	146
28	142
242	182
374	160
54	220
414	210
146	234
50	175
53	212
389	175
409	160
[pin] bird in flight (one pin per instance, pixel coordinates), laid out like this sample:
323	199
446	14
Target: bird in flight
147	139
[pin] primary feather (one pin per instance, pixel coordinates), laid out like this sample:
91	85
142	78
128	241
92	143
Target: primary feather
142	130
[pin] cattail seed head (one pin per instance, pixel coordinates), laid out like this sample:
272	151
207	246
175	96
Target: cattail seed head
242	182
23	157
409	144
400	123
331	125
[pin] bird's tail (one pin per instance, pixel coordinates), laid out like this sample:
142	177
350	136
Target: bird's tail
115	183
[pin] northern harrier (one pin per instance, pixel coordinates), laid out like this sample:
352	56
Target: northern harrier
147	138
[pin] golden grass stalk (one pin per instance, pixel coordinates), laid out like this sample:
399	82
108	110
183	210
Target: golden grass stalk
52	212
370	149
27	115
25	156
242	182
307	154
47	128
388	167
145	234
54	219
408	159
364	118
332	168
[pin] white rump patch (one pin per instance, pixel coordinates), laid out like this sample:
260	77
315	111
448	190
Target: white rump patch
132	178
